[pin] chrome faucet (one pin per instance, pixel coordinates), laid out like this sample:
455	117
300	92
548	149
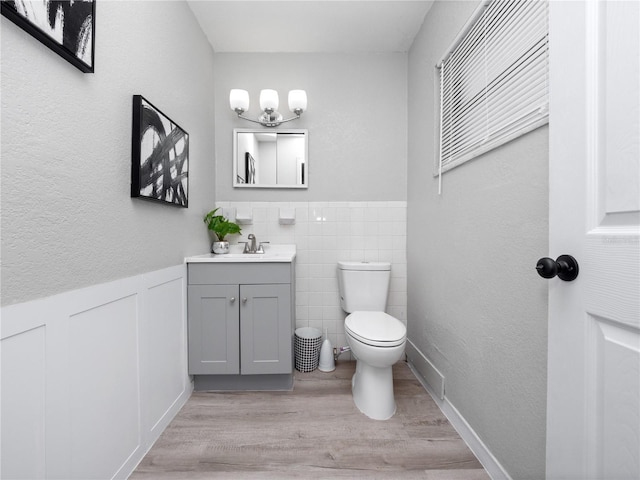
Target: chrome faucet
252	246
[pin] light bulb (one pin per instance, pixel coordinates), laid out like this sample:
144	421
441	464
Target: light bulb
239	100
268	99
297	101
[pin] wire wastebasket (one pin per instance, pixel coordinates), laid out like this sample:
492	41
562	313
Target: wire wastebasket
307	348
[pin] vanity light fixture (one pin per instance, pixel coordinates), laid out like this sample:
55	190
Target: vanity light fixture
239	103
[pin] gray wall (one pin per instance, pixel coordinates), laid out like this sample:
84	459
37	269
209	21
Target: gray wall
476	308
357	122
67	218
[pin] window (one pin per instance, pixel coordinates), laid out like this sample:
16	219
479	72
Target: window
494	80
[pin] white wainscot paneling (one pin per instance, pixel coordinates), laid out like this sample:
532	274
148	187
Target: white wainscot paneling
23	405
163	354
90	378
104	396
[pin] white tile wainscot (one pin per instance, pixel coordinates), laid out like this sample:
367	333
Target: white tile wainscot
91	377
324	233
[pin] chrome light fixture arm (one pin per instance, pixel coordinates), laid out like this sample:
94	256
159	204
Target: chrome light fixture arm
269	119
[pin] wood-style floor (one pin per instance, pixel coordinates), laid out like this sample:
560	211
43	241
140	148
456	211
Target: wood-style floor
314	431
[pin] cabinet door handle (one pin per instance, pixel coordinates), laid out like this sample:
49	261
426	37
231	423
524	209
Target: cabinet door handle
233	299
244	300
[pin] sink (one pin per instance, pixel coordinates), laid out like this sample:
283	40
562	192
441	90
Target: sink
273	253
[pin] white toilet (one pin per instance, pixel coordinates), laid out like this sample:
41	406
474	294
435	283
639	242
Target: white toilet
377	339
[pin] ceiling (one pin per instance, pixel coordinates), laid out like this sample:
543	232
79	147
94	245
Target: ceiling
326	26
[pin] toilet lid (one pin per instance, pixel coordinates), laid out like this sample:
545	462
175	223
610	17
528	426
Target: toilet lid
376	328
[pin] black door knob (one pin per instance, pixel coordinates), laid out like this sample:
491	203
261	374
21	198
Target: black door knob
565	267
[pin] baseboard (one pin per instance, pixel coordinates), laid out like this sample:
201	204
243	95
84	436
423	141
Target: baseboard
227	383
426	369
433	382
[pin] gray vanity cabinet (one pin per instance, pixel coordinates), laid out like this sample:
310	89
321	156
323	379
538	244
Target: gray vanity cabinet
214	335
240	318
265	329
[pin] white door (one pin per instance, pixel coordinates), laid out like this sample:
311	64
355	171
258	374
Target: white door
593	423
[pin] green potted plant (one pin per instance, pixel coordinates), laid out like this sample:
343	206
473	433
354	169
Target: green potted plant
221	227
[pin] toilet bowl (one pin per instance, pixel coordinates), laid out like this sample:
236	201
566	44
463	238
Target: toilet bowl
377	340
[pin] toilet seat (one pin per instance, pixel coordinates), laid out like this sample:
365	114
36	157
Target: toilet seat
377	329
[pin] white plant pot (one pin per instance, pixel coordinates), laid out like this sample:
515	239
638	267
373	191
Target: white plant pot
220	247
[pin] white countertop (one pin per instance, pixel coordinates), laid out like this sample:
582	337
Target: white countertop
273	253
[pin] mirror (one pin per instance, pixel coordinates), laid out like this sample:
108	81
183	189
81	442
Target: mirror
270	158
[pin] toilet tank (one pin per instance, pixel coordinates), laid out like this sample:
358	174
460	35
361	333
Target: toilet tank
363	286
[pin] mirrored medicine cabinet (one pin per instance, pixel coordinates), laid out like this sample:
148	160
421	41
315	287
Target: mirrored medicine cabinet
270	158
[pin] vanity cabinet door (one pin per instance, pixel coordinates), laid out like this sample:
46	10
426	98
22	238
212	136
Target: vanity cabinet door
266	329
214	329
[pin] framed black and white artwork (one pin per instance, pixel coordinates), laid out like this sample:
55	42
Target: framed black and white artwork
66	27
160	156
250	168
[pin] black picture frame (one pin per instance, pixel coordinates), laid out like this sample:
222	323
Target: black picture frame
159	156
72	23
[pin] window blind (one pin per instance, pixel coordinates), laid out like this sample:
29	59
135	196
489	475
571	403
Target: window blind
494	81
